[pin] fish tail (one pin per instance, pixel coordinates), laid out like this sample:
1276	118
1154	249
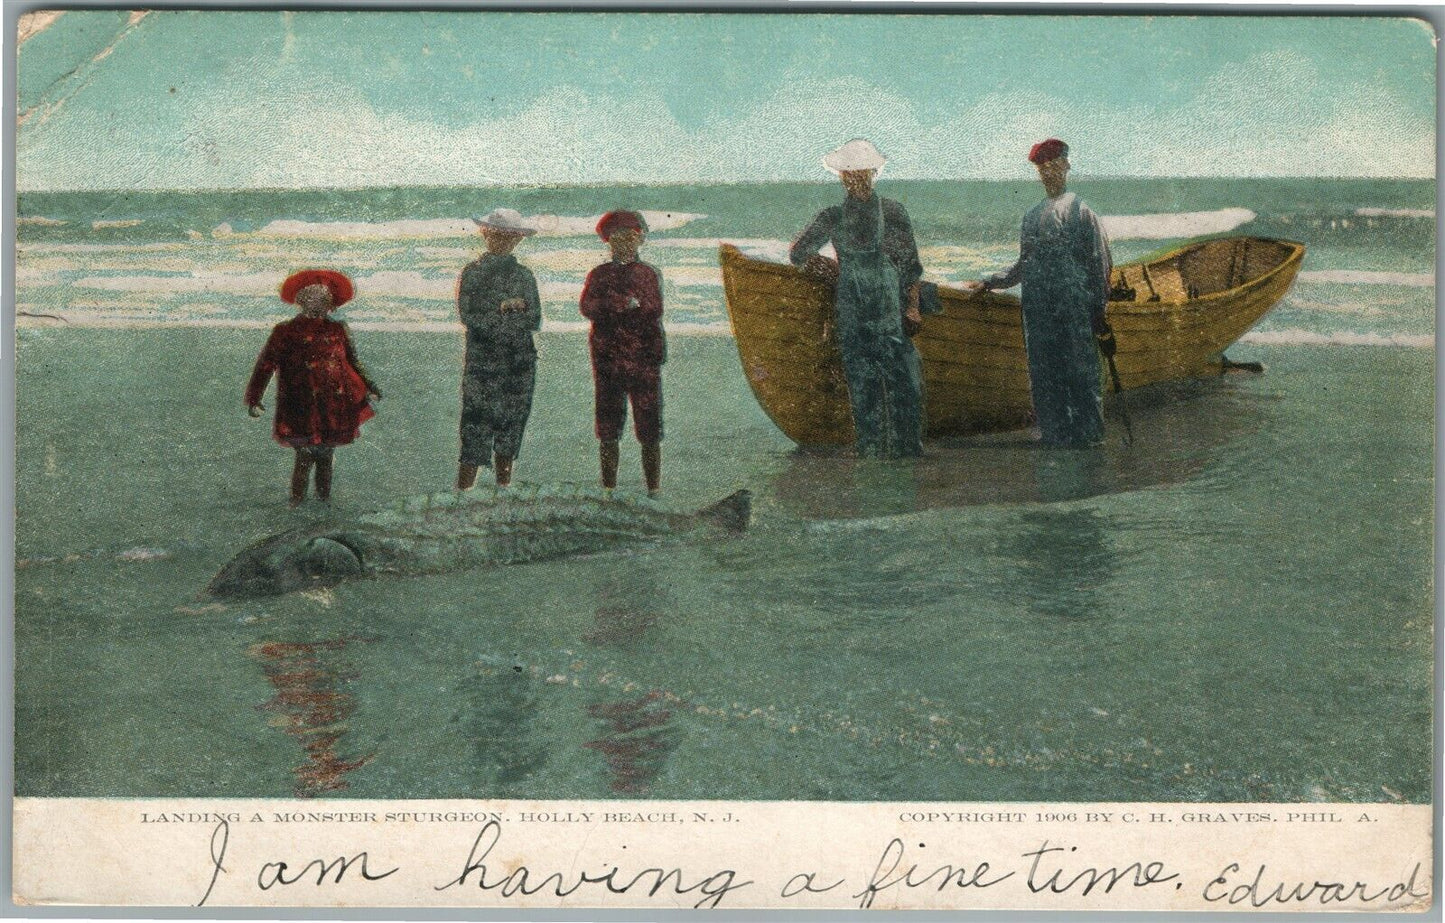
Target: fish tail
732	512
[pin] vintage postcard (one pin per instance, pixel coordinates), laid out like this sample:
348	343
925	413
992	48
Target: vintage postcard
724	460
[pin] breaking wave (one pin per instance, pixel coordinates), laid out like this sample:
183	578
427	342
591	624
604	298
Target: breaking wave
1395	212
694	276
1284	337
711	243
1297	337
427	228
407	284
1367	277
256	283
1174	224
586	226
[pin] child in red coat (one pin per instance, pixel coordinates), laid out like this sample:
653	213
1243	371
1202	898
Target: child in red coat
623	300
322	392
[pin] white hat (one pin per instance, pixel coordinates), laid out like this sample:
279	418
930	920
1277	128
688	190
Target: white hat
506	219
858	154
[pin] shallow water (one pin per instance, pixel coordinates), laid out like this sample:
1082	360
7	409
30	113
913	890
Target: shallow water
1235	607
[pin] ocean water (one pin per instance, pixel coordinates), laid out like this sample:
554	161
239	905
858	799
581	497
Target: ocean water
1237	606
216	257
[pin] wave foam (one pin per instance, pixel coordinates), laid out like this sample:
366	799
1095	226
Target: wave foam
356	230
118	223
1298	337
386	284
712	243
256	283
406	284
566	259
1395	212
137	321
1174	224
1367	277
554	292
586	225
694	276
428	228
100	248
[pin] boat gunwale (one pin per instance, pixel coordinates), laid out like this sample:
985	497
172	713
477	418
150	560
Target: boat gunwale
1293	258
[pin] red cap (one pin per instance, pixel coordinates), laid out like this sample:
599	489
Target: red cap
620	220
341	290
1048	150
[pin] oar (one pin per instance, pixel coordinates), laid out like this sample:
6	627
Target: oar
1123	411
1153	295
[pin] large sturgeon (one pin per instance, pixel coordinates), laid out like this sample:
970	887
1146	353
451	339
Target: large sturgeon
454	531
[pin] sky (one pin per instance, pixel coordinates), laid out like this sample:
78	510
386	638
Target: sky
197	100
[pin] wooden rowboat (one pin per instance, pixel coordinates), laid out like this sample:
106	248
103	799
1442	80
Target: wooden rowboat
1187	307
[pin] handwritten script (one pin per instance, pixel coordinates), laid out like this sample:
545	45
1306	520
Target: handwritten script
1045	870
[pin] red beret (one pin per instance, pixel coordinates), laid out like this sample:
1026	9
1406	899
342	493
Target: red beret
620	220
1048	150
340	286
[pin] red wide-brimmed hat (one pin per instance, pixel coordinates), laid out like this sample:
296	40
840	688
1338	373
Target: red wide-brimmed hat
340	286
1048	150
620	220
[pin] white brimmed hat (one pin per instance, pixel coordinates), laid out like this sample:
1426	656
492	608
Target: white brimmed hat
506	219
858	154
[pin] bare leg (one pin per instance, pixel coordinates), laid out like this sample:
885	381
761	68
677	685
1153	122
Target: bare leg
504	470
608	454
300	474
324	458
466	476
652	466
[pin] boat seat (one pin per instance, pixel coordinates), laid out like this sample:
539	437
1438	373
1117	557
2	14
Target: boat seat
1168	282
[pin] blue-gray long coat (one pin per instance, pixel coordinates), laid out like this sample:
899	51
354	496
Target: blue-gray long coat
1064	265
877	265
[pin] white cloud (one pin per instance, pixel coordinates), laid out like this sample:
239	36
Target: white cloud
1245	119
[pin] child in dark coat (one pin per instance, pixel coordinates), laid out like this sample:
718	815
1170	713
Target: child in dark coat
322	393
623	300
498	303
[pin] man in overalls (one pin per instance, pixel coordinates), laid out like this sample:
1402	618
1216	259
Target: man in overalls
877	274
1064	266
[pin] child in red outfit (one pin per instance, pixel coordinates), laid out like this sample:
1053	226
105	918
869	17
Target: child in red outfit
322	392
623	300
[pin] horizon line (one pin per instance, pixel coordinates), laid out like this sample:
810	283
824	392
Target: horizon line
1081	178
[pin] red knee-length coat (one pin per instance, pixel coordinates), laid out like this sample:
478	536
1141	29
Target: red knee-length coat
321	388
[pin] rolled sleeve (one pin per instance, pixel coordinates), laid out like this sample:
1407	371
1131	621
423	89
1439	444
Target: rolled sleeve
818	232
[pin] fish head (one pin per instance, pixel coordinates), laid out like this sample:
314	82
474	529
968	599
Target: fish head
289	562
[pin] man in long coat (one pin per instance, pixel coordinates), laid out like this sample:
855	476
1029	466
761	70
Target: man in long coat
1064	265
876	302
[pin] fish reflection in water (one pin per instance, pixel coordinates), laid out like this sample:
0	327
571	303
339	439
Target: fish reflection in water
312	707
638	740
